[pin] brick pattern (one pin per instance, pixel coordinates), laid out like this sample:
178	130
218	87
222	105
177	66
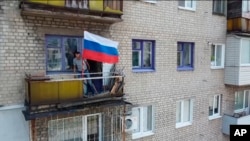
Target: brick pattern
22	50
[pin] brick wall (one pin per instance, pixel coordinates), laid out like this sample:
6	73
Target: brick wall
22	50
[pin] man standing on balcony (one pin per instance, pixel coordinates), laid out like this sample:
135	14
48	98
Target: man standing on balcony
83	66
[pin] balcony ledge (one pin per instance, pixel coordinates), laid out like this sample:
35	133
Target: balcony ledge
30	9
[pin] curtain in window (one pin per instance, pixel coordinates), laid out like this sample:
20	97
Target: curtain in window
187	54
246	98
147	48
239	96
218	55
211	105
186	111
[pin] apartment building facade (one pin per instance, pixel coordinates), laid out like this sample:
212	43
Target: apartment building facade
172	54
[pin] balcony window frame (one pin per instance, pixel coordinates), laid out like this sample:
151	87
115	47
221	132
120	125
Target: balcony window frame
186	7
241	51
182	53
61	47
214	57
218	114
142	114
180	113
140	51
245	6
223	4
84	125
245	107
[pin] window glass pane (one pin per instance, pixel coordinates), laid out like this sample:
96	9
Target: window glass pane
218	6
71	45
147	58
239	100
186	111
189	3
213	55
182	3
54	58
136	45
53	42
246	98
245	52
93	128
218	55
149	118
136	55
178	112
136	113
187	55
211	103
216	104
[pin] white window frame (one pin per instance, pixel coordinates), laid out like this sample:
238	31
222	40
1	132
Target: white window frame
182	123
141	117
213	116
84	125
241	47
244	104
222	56
192	8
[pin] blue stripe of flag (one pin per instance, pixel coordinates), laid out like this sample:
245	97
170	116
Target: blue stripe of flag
94	46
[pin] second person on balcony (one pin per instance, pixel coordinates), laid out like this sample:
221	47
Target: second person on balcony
82	66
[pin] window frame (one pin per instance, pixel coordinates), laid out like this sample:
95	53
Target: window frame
224	3
241	48
140	68
186	68
222	56
244	100
191	108
84	134
141	117
217	115
62	49
245	6
192	8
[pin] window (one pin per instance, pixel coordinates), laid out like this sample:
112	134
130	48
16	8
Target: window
245	52
241	101
145	124
214	106
60	52
245	6
185	56
75	128
143	54
219	6
187	4
184	113
217	56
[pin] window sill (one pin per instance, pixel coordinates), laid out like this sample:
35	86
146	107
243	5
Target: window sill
214	117
245	65
216	67
186	8
185	69
140	135
143	70
219	14
179	125
150	1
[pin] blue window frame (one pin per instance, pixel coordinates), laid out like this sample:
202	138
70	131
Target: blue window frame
185	55
60	52
143	55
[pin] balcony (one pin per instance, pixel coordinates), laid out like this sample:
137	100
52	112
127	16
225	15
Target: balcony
234	120
237	60
108	11
53	93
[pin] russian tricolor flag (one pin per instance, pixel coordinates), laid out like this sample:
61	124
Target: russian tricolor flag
99	48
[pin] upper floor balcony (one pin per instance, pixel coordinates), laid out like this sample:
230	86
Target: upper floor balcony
109	11
238	16
237	60
53	93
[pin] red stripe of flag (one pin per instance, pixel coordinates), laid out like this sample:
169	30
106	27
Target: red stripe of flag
97	56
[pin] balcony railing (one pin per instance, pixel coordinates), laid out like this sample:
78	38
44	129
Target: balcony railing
234	120
67	90
61	8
